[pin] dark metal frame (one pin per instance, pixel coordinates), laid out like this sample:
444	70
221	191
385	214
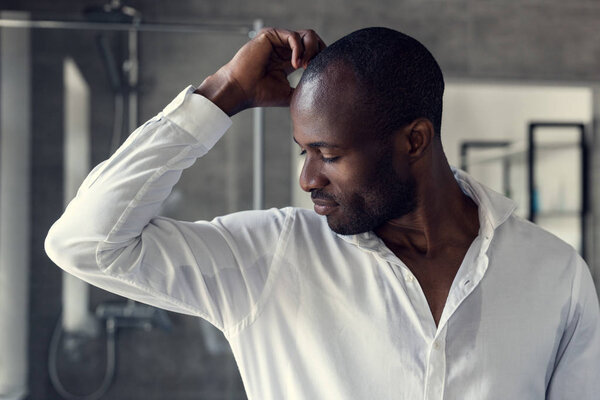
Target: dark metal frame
533	126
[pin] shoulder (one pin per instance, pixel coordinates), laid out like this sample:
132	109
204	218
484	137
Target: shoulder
276	220
529	249
308	226
256	218
523	234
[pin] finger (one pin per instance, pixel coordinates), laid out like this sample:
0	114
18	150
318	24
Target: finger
295	42
291	40
312	45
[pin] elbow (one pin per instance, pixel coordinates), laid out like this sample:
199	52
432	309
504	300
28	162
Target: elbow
56	246
53	245
69	250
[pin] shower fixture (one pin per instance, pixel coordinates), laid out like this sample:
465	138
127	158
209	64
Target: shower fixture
115	11
122	79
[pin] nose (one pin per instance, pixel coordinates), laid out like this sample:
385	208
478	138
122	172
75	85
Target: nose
311	176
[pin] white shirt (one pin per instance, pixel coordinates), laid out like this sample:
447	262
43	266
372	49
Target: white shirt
311	314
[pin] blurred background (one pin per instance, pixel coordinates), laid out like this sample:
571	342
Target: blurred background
520	113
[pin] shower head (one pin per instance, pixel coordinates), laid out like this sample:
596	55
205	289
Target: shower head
114	11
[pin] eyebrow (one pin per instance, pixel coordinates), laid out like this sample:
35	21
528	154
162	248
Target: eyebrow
320	144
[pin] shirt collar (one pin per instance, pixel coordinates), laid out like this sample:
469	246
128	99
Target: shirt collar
494	209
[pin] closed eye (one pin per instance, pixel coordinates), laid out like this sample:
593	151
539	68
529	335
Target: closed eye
325	159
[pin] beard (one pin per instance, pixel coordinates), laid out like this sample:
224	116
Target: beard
385	196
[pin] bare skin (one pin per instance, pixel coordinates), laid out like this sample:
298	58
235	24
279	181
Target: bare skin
257	75
433	240
341	154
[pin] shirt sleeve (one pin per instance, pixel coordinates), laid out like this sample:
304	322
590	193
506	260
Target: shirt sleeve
110	234
577	368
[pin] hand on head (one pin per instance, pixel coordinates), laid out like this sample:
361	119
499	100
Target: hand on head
257	75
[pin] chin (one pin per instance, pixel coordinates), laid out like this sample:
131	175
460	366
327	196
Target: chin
347	227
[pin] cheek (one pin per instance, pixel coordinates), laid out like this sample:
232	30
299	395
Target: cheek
350	179
401	168
345	177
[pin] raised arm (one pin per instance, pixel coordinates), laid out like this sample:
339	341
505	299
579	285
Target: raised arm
111	236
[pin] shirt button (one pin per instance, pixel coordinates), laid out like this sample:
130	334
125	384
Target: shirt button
436	345
410	278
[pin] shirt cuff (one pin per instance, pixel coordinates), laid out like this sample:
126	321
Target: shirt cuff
198	116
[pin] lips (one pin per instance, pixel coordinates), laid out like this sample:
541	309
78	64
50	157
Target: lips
324	207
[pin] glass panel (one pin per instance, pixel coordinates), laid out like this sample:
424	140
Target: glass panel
192	358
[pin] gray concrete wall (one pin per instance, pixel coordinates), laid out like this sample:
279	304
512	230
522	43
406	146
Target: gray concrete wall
552	40
519	39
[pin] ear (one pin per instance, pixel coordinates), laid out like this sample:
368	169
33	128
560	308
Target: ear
420	135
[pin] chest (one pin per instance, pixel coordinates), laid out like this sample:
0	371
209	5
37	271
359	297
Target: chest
434	275
361	322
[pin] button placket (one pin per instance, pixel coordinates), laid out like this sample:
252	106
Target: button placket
436	368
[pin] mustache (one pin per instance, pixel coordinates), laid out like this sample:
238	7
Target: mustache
319	194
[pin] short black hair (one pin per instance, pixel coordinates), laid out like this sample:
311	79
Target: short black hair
399	77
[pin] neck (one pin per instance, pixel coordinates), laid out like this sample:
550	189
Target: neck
444	216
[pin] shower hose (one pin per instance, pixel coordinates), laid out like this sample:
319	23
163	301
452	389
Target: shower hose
110	363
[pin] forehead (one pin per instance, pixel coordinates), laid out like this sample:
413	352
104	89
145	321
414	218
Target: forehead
328	107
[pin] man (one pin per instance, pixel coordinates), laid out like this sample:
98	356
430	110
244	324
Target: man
414	282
